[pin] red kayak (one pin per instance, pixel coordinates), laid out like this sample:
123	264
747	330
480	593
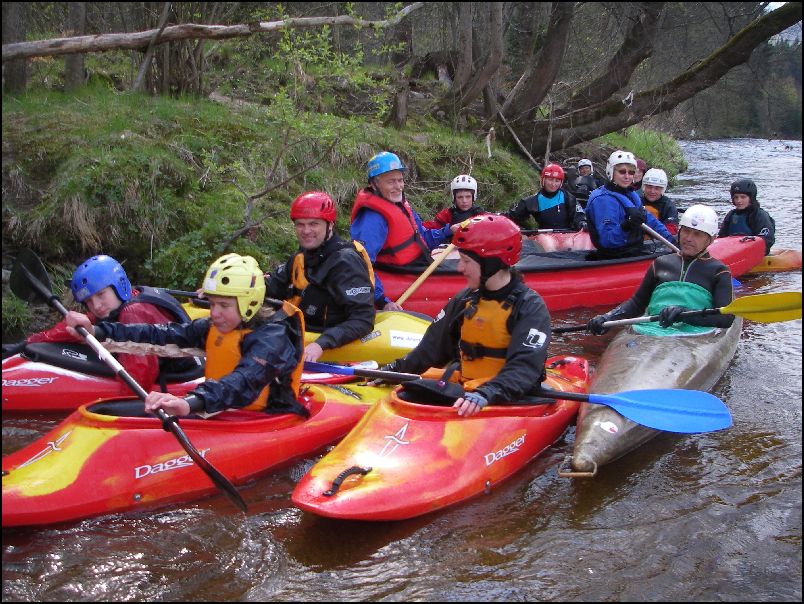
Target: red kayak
98	461
406	459
565	279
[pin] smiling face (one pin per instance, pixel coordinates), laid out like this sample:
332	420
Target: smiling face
623	175
652	192
551	185
311	232
390	185
224	313
103	303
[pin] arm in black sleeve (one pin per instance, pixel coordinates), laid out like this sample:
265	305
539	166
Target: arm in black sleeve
277	285
518	213
638	303
722	295
183	335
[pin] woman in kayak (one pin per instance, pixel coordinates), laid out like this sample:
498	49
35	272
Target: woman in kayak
747	218
464	204
498	327
101	285
253	344
552	206
690	280
330	280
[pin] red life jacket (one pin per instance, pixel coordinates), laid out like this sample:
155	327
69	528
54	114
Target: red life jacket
404	244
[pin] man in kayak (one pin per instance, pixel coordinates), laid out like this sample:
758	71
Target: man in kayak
552	206
253	344
328	279
690	280
101	285
464	197
654	184
498	327
616	215
386	225
747	218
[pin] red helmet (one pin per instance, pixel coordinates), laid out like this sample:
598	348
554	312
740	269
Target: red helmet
313	204
552	171
490	236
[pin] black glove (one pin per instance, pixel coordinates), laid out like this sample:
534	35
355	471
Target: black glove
669	315
596	326
12	349
634	219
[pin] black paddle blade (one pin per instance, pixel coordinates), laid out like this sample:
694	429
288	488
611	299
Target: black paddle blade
19	282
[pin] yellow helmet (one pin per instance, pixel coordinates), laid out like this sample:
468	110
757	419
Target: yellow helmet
240	277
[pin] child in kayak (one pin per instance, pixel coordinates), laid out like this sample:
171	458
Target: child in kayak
689	280
253	345
552	206
498	327
654	184
464	203
330	280
101	285
747	218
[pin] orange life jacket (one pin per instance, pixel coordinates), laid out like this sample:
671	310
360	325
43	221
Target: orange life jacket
484	340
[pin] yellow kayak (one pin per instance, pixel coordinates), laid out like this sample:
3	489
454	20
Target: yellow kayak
395	334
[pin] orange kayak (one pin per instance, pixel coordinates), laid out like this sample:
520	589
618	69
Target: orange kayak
406	459
778	261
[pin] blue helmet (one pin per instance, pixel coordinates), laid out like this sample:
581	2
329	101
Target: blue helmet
383	162
97	273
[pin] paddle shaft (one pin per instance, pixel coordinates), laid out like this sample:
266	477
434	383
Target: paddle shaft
658	237
170	423
391	376
539	231
427	272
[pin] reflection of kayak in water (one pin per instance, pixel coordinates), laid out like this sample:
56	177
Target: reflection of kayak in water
565	279
779	260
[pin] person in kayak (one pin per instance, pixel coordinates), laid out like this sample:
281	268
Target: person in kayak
387	226
464	197
641	167
330	280
253	344
552	206
654	184
690	280
616	215
586	182
747	218
497	329
101	285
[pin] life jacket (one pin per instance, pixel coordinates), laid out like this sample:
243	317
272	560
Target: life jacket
300	284
679	293
404	244
223	355
484	337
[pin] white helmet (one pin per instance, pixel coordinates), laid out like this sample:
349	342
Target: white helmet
464	182
586	162
656	178
701	218
617	158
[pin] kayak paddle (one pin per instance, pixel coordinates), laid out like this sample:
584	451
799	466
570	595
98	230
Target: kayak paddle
762	308
30	280
685	411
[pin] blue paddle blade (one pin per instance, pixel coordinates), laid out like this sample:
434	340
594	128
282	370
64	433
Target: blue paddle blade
314	367
684	411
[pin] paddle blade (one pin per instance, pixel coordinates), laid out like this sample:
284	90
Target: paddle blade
19	282
683	411
767	308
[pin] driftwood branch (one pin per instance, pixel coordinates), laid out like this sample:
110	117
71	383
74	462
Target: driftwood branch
140	40
139	83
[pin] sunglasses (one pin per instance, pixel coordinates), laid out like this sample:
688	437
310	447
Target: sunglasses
624	171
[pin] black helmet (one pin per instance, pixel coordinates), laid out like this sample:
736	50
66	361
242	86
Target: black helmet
745	186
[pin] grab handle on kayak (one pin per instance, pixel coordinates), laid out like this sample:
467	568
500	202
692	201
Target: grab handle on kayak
565	470
336	484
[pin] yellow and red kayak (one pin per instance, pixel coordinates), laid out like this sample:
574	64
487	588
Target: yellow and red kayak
406	459
96	462
779	261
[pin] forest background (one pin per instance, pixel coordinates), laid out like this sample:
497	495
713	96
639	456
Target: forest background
127	131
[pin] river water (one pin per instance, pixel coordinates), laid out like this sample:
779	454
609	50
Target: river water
699	517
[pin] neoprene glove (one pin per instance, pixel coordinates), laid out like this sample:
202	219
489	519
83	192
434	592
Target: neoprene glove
634	219
12	349
476	398
669	315
595	325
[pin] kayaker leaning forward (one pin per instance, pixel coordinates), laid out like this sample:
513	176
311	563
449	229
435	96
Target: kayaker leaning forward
253	344
691	280
330	280
101	285
497	329
384	222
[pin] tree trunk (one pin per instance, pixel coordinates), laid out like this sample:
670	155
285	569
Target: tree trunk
139	83
464	67
74	73
15	73
399	111
493	59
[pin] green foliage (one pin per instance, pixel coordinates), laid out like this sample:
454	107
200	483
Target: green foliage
659	150
16	317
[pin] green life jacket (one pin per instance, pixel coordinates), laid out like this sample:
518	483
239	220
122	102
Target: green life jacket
678	293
